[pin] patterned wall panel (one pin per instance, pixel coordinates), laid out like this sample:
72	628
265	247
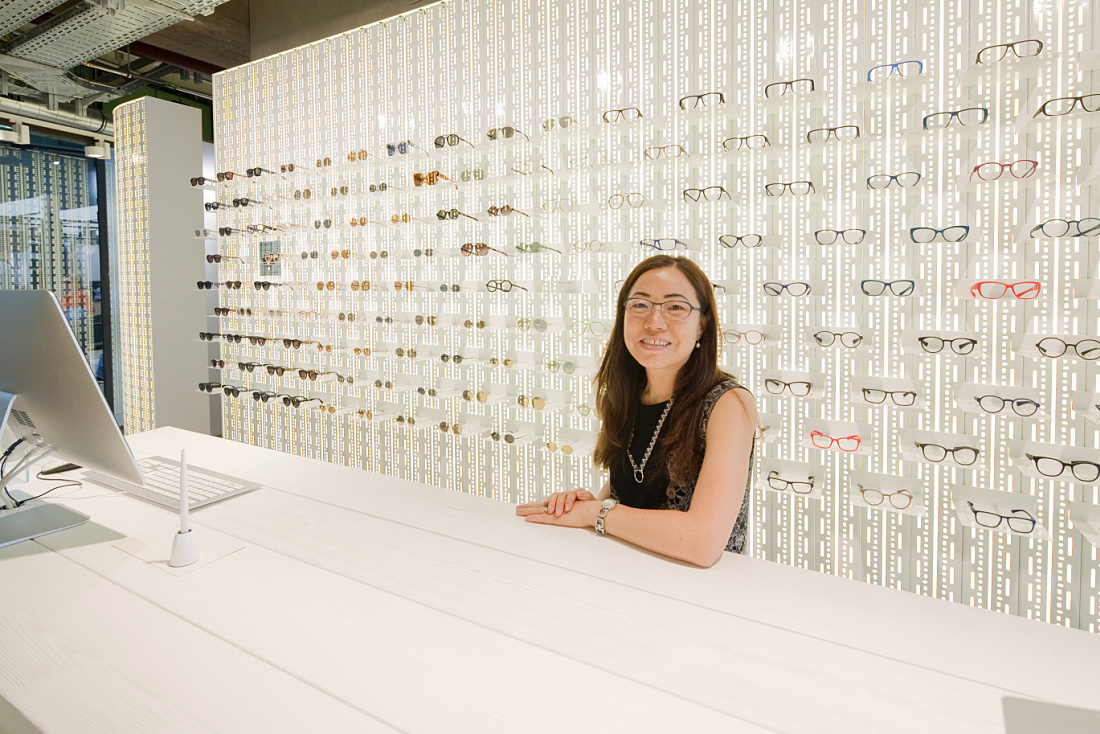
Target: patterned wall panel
862	304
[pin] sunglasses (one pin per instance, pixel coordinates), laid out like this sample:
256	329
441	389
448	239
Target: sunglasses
429	179
477	248
452	139
503	133
503	211
562	122
446	214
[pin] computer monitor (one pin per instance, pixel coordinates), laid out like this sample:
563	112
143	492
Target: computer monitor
50	399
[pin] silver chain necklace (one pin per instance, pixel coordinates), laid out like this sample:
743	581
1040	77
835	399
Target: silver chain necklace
639	471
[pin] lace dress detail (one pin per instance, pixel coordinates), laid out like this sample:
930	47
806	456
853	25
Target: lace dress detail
678	495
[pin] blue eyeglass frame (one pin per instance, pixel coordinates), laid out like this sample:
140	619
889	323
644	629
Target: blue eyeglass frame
896	67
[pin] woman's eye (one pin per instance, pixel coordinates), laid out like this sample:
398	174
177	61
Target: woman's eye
676	307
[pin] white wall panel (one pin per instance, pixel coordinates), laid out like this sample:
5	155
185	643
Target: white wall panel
466	66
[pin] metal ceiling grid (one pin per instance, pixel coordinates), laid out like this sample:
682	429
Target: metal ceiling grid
466	66
16	13
93	34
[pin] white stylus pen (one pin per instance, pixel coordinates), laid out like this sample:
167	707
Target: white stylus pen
183	492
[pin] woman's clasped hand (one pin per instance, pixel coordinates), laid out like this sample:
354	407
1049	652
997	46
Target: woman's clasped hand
558	509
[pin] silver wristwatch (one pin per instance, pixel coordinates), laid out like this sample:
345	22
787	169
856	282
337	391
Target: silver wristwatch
604	509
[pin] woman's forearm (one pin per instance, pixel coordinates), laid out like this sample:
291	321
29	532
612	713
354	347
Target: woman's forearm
668	532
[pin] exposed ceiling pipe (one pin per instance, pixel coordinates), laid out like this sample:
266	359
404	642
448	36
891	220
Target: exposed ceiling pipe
79	123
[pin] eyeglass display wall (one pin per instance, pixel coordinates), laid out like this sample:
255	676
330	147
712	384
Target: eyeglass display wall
423	224
50	237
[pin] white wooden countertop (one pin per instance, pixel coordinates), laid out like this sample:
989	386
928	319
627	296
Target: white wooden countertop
366	603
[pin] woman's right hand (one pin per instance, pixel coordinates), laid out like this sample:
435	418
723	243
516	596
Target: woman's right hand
556	504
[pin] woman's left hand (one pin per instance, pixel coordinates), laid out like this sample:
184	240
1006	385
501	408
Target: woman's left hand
583	515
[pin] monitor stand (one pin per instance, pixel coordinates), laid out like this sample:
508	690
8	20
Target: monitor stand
23	523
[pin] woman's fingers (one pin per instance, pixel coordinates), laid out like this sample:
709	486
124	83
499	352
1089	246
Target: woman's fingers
556	504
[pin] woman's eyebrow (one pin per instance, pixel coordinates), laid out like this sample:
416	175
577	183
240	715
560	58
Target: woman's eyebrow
667	295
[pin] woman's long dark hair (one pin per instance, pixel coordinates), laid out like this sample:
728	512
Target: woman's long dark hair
620	381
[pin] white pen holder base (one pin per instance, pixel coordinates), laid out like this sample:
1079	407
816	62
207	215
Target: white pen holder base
185	549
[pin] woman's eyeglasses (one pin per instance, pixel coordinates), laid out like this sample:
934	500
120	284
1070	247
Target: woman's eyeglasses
674	310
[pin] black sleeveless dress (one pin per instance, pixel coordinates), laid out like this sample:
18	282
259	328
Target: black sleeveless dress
656	492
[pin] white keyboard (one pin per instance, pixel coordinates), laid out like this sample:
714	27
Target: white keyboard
162	483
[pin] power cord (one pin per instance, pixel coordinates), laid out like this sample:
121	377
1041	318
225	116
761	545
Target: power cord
64	483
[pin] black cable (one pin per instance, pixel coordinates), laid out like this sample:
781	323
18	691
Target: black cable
3	461
64	483
4	458
102	117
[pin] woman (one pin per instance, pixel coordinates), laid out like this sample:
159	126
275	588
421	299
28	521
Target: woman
676	432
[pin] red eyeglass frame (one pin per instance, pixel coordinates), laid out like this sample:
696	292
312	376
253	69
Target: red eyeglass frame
835	441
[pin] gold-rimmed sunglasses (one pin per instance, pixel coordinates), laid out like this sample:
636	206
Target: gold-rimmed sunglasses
478	248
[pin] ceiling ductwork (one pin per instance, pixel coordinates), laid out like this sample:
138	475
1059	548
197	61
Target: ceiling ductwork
41	58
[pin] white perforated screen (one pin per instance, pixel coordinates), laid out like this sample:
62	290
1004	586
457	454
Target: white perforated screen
467	67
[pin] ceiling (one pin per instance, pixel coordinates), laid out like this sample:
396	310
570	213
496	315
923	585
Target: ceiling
63	53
